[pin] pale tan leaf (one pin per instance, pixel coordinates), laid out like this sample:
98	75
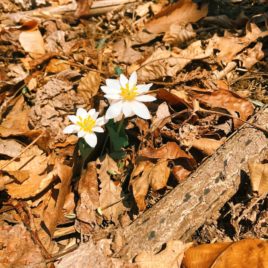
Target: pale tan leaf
32	41
10	147
162	116
170	257
258	177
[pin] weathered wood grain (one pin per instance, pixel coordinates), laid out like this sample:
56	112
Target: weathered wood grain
180	213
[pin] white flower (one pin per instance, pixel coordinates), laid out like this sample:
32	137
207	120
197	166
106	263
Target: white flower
85	124
126	97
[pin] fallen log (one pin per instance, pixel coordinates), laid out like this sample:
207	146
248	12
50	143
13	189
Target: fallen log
181	212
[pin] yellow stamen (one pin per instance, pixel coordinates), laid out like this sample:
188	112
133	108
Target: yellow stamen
128	94
86	124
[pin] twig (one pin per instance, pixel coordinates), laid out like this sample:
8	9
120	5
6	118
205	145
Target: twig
23	151
98	7
62	253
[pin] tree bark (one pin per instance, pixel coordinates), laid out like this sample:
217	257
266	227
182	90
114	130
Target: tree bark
181	212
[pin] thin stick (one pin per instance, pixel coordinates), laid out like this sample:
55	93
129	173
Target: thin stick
23	151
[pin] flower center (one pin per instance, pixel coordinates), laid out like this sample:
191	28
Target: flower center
127	93
86	124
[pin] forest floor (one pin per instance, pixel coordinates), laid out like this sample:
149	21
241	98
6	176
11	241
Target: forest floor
205	70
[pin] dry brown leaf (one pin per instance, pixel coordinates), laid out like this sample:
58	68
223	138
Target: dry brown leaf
14	124
140	182
178	34
88	196
89	85
207	146
145	175
229	46
18	249
251	56
125	53
233	103
244	253
32	160
10	147
170	257
183	12
159	175
258	177
110	192
31	39
57	66
54	207
171	150
172	98
168	63
203	256
31	187
180	173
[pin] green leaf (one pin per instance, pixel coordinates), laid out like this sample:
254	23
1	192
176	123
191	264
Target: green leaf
118	139
118	70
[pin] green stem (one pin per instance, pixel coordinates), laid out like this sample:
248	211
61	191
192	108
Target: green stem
120	126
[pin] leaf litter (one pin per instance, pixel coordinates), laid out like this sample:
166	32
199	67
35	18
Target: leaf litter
208	69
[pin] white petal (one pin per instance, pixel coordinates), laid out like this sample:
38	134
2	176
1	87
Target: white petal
123	80
71	129
133	80
145	98
140	110
101	121
81	112
91	139
143	88
114	110
106	89
127	109
113	85
98	129
81	133
73	118
93	113
113	97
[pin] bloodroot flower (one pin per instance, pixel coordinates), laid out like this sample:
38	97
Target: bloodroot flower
126	98
85	124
